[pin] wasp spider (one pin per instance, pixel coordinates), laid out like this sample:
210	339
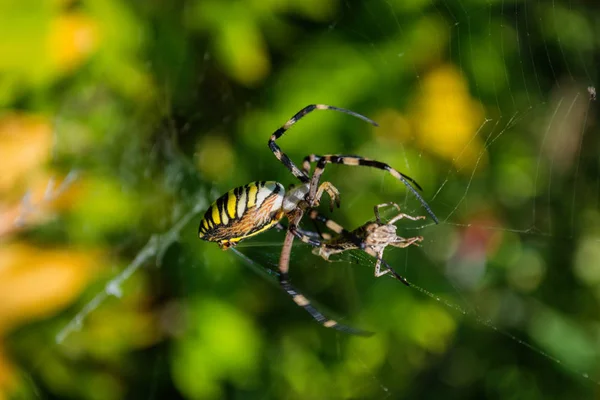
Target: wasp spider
258	206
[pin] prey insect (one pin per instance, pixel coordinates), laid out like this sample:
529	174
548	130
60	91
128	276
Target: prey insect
373	238
256	207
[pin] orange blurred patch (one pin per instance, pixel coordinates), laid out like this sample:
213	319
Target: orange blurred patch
46	195
446	118
29	191
25	145
73	38
36	283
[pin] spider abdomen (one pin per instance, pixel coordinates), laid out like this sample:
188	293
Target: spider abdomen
242	212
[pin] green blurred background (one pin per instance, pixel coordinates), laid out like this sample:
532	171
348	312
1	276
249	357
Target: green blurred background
121	122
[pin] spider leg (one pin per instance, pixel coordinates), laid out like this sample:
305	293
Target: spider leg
312	238
299	298
397	217
334	194
337	228
379	256
329	223
378	272
403	243
305	237
378	206
360	161
394	273
281	156
316	234
317	238
402	215
306	165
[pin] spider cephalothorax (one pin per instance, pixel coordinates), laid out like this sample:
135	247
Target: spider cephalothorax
258	206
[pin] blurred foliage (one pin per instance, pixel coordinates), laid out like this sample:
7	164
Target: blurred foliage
121	122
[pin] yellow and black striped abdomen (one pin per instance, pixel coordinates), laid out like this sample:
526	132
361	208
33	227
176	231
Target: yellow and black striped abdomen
242	212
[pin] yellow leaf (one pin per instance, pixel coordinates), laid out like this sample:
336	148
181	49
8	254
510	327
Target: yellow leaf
447	118
73	38
25	144
36	283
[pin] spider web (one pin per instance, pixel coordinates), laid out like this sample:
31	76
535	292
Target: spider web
533	101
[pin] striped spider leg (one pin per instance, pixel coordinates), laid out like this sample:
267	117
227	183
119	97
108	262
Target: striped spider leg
360	161
299	298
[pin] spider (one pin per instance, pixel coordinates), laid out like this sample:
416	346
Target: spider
258	206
